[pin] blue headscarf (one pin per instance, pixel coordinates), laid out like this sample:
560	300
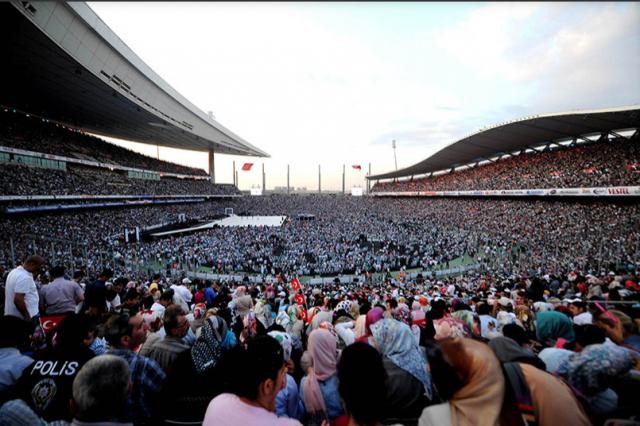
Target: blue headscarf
552	324
394	340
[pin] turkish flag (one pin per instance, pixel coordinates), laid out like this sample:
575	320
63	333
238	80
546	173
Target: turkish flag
299	299
357	167
50	322
247	166
303	315
295	284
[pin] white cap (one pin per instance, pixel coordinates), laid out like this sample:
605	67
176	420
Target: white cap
186	281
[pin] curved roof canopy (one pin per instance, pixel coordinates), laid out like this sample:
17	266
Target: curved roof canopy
521	134
60	60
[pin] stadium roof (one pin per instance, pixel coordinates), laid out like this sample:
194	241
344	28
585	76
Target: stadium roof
524	133
60	60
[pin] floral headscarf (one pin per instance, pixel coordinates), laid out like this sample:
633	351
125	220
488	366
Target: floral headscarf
250	327
449	327
394	340
402	314
593	370
285	341
207	350
465	316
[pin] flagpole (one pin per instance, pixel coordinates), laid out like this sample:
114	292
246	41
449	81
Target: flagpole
393	144
343	167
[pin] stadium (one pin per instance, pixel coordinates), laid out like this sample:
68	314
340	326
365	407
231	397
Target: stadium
535	217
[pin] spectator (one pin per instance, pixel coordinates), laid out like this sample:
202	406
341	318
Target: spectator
21	293
101	390
60	296
260	375
15	333
176	326
124	334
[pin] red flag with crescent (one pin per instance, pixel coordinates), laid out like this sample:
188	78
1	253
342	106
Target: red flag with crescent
50	322
303	315
299	298
295	284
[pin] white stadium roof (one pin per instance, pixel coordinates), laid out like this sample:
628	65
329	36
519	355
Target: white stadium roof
61	61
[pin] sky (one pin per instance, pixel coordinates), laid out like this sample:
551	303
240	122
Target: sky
333	84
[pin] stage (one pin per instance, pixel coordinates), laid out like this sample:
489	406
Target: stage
233	221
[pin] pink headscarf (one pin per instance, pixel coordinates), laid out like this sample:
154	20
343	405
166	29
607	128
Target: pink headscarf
322	350
374	315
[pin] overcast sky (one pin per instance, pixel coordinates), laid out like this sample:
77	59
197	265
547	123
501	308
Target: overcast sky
335	83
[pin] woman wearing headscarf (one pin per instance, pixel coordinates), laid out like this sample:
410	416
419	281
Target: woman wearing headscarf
408	379
242	302
508	350
374	315
552	325
288	402
476	398
194	379
450	327
594	370
403	314
319	388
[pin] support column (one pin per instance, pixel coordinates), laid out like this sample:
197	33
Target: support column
343	179
264	181
233	176
288	191
319	180
369	180
212	167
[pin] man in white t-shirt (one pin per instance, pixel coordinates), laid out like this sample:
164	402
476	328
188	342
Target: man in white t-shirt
21	294
183	291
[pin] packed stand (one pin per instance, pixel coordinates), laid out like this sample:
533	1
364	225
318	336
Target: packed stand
599	164
31	133
82	180
480	349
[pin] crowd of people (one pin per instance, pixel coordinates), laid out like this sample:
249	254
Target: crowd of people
31	133
609	163
350	235
525	349
101	327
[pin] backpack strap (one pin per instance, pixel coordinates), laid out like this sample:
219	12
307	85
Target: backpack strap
520	392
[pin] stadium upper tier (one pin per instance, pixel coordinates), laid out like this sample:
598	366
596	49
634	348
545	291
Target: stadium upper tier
519	135
597	164
36	134
59	60
80	180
